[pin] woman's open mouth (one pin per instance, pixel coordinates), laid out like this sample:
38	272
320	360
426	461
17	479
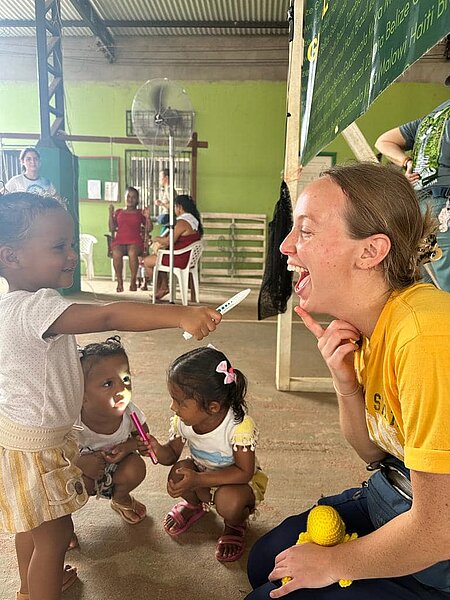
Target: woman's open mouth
303	277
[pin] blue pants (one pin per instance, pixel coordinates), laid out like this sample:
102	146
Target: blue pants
352	506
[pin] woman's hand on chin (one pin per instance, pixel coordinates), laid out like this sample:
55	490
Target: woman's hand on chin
336	343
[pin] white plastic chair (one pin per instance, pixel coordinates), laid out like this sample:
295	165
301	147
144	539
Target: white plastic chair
87	242
182	275
141	270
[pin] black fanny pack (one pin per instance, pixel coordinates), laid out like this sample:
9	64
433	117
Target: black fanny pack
389	493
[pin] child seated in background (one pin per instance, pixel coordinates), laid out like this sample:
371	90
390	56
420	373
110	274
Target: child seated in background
106	434
208	398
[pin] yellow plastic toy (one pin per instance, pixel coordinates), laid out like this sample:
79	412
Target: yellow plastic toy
326	528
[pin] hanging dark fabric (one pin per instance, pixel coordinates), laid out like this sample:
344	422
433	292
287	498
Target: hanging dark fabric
276	287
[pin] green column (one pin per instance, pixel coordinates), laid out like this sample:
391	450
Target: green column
61	166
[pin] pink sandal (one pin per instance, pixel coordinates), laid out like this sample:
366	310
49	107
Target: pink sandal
235	540
182	523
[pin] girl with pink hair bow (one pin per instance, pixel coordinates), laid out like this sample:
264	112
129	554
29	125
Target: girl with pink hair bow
208	399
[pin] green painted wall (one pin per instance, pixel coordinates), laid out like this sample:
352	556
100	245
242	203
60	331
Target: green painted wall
243	123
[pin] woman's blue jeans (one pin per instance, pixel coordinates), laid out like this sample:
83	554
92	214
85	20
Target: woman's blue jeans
352	506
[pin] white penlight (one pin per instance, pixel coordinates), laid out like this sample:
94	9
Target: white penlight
226	306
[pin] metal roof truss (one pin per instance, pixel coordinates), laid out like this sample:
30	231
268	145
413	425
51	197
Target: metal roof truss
90	16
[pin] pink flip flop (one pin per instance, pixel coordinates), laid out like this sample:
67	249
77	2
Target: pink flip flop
182	523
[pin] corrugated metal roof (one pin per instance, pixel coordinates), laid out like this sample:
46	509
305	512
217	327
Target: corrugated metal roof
190	17
193	10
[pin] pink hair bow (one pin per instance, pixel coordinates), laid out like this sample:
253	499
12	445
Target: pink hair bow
230	375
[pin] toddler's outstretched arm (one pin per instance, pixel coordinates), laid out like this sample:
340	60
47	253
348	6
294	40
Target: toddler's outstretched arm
135	316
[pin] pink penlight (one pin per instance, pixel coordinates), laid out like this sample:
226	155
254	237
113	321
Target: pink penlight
144	436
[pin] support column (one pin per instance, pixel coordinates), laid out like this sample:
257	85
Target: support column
61	167
58	163
284	326
50	69
284	381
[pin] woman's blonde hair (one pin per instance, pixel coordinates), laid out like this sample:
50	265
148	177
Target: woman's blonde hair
381	200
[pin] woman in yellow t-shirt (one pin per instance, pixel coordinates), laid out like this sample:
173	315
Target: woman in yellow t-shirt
357	245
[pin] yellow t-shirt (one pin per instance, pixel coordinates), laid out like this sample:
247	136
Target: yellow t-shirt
405	371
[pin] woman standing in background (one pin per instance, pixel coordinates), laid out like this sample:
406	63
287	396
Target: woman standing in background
30	180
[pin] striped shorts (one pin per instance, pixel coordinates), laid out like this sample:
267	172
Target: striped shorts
38	478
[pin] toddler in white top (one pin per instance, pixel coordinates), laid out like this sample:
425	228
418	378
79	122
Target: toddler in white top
111	466
41	383
208	399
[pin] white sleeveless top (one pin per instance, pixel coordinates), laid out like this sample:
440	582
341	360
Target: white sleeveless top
193	222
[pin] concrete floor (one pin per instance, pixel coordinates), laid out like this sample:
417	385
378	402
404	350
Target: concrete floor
301	449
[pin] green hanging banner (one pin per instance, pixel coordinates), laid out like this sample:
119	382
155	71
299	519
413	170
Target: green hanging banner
354	49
